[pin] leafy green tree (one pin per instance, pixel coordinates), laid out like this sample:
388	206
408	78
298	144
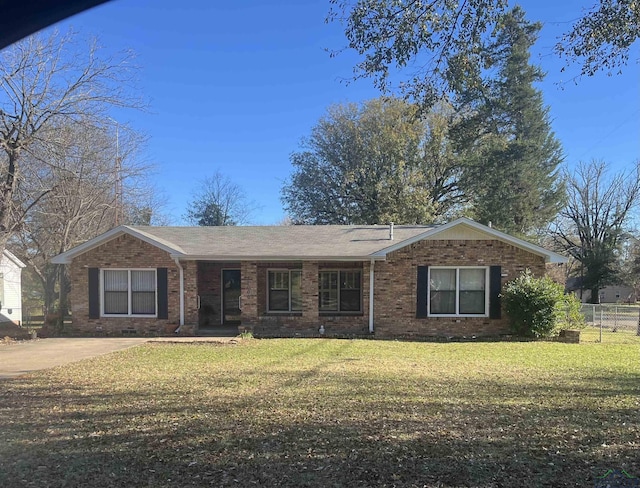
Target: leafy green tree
442	165
441	40
602	38
593	222
372	163
512	180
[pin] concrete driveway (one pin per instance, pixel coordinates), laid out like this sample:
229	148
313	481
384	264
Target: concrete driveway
25	356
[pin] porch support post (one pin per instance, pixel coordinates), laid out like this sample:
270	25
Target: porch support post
371	280
249	310
310	315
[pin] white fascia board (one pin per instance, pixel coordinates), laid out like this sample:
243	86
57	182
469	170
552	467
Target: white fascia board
67	257
184	257
14	259
549	256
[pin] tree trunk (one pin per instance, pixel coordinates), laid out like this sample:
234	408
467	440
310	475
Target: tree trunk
49	281
595	296
7	190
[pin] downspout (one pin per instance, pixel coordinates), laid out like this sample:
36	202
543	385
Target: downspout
181	294
371	297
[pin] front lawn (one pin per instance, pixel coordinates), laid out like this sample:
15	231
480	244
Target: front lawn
327	413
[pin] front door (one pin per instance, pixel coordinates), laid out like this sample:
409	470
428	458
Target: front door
230	296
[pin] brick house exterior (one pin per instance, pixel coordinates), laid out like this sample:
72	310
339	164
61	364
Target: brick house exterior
300	280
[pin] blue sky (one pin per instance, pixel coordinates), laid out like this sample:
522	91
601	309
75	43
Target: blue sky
234	86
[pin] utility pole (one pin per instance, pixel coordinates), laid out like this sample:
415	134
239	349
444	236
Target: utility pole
118	189
119	212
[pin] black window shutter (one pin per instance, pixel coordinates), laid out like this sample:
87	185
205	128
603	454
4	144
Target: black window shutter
163	293
94	293
421	304
495	287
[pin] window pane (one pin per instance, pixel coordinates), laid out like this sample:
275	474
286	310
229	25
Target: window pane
328	291
350	300
116	302
443	302
443	279
472	291
296	291
350	291
143	303
472	279
279	280
116	296
143	281
328	300
442	291
116	280
472	302
350	280
279	300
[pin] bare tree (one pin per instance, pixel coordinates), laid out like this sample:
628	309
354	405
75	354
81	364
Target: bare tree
47	82
219	201
81	201
592	224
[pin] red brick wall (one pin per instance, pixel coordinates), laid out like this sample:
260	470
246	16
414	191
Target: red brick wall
396	286
395	289
126	252
308	321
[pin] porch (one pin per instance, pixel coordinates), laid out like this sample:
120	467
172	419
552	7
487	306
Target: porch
284	298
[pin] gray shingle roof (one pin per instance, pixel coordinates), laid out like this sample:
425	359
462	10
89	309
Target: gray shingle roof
312	242
298	241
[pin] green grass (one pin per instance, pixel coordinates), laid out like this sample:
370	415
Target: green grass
327	413
620	336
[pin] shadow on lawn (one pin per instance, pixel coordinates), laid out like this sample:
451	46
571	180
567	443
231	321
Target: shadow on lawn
477	433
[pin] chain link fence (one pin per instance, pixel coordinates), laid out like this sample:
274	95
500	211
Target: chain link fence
611	323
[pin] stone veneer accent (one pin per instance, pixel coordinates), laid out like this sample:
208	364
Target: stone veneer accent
396	286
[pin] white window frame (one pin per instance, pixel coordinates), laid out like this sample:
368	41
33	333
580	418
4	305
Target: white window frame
457	313
338	310
129	293
283	270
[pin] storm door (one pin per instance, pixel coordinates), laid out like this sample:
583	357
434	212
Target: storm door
230	296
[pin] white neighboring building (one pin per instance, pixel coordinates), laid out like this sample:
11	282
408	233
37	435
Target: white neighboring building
11	288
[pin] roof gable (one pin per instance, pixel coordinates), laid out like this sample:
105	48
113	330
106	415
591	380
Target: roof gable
67	257
467	229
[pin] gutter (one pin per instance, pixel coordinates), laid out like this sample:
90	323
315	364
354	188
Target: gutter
371	280
181	294
270	259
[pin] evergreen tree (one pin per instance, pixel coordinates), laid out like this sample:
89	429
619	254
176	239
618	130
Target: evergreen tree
513	178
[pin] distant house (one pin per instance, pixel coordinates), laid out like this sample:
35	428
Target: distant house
11	288
402	281
608	294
